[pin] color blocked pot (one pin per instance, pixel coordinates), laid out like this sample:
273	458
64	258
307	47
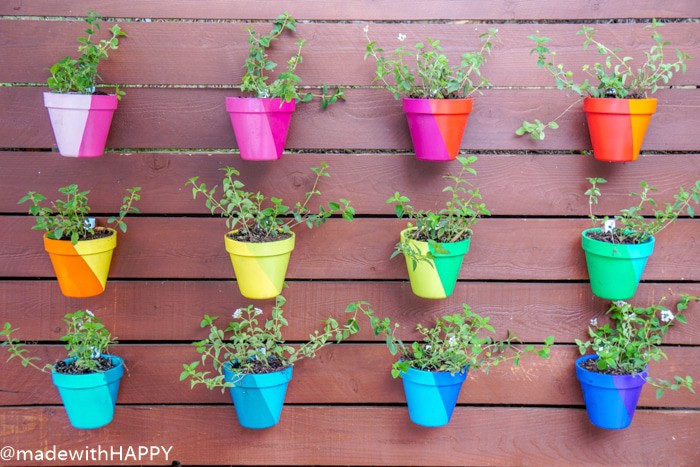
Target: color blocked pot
436	280
90	399
260	268
615	269
432	396
618	126
260	126
437	126
80	122
81	269
610	399
258	398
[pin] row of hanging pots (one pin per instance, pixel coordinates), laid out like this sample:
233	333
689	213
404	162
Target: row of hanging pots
81	124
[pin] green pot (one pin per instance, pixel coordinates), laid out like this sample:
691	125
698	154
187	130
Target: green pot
615	269
435	278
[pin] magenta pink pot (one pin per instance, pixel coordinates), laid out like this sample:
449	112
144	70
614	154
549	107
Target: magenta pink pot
80	122
260	126
437	126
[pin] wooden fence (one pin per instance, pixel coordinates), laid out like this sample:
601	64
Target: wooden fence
525	268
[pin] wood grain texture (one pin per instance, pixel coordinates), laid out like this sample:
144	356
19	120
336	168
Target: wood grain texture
369	119
362	9
511	185
214	53
359	250
353	435
172	310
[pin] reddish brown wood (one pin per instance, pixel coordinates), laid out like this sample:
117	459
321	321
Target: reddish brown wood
512	185
370	119
369	436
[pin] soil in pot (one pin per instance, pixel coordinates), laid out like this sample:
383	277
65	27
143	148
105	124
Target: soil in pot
613	237
256	235
591	365
70	368
256	367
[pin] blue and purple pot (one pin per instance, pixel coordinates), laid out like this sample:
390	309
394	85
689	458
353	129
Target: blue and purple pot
610	399
432	395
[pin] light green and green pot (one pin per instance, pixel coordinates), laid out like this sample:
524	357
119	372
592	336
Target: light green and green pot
615	269
435	278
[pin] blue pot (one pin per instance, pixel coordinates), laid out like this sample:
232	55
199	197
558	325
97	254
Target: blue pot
432	396
90	399
610	399
258	398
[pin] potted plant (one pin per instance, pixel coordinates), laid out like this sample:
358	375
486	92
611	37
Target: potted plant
617	249
80	114
434	368
80	251
260	241
613	376
254	361
88	380
435	247
618	109
261	122
436	96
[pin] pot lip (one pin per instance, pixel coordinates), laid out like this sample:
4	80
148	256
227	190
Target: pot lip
114	233
90	380
610	99
583	358
421	99
615	106
78	94
245	104
226	236
408	229
462	106
585	237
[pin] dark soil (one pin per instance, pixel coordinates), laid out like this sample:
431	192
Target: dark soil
613	237
100	232
422	237
103	364
591	365
273	365
257	236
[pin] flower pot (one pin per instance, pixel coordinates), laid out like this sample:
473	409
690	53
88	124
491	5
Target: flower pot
80	122
618	126
436	278
610	399
81	269
90	399
437	126
432	396
260	126
615	269
260	268
258	398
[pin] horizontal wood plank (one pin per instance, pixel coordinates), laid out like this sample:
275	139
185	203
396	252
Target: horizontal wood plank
369	119
368	436
359	250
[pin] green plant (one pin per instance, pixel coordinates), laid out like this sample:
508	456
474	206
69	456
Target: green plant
630	226
615	77
451	224
80	75
286	85
425	72
67	219
454	343
251	348
259	218
86	340
632	339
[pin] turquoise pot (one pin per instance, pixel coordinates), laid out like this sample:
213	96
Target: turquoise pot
90	399
432	395
258	398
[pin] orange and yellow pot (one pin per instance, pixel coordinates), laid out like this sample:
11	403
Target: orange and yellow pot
81	269
617	126
260	268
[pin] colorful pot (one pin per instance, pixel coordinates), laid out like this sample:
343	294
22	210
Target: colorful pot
435	278
610	399
80	122
437	126
618	126
258	398
432	396
260	126
260	268
90	399
615	269
81	269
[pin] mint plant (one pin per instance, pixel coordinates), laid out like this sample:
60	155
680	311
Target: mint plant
66	219
80	75
633	338
424	72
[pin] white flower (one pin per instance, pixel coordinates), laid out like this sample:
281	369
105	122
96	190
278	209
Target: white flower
619	303
258	311
238	313
366	28
631	317
402	37
262	350
594	322
90	313
600	349
666	316
452	341
428	347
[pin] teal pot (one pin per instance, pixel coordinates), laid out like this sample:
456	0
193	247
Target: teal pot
90	399
258	398
432	395
615	269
